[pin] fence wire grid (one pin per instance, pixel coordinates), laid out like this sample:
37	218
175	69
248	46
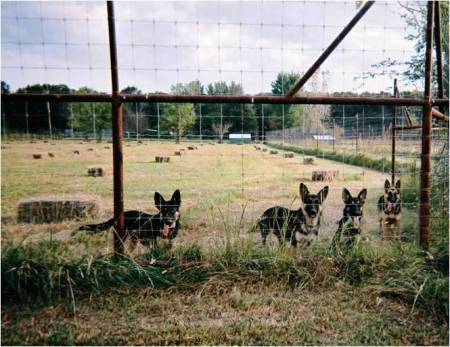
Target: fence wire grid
231	161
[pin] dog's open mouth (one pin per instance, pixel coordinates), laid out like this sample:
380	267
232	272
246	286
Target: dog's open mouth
166	229
356	221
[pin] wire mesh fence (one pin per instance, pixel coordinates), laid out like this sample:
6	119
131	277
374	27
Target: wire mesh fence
231	160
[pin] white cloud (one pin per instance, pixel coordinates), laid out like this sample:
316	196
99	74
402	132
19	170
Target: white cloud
161	43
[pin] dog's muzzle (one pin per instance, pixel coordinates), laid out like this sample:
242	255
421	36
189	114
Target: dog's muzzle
167	228
356	221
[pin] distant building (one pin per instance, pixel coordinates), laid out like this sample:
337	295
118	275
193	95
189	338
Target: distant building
240	139
323	137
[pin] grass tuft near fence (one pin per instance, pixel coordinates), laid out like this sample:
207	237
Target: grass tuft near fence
47	272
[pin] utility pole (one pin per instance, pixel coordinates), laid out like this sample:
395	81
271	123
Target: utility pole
262	122
94	130
382	122
357	132
49	116
200	123
334	137
221	124
137	121
72	120
157	111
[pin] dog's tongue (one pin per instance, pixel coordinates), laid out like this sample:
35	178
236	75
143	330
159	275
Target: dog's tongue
166	230
355	221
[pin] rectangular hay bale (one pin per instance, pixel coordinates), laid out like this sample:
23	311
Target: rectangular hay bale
49	209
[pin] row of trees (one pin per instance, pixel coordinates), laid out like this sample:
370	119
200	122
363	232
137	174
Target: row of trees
145	118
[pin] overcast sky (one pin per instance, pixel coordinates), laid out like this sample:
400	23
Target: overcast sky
162	43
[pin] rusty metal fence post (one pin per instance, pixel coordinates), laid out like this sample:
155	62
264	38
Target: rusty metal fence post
117	120
394	124
425	169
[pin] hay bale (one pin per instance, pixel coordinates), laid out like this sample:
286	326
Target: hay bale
80	143
191	148
76	151
45	141
91	149
273	152
325	175
308	160
182	149
48	209
96	171
51	155
264	149
107	147
37	156
160	159
177	153
289	155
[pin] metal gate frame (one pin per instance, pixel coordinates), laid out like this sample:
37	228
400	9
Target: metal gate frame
427	102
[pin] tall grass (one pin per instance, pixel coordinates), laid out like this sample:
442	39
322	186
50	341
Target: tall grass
45	272
358	159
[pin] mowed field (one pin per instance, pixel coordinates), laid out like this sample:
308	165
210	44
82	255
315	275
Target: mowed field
220	184
224	189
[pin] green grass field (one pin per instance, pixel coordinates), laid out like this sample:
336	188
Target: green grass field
221	286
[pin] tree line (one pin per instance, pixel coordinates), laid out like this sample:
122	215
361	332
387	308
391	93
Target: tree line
177	120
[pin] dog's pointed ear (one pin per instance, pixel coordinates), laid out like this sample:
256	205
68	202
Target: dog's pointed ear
176	198
346	196
397	186
387	185
323	194
362	196
159	201
304	192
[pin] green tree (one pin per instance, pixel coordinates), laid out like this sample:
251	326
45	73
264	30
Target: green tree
415	16
280	116
90	117
178	119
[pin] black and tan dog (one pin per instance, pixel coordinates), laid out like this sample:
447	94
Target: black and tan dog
390	209
350	223
294	225
144	227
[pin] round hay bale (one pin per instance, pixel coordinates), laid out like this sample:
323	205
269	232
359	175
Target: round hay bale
51	155
37	156
308	160
325	175
91	149
45	141
191	148
76	152
289	155
80	143
160	159
273	152
264	149
48	209
177	153
107	147
182	149
96	171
